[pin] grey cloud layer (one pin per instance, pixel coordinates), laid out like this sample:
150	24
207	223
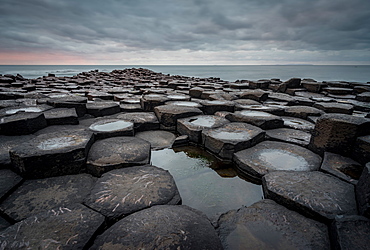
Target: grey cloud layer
113	26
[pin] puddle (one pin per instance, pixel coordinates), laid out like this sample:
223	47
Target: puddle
177	97
28	109
282	160
204	121
59	142
204	182
187	104
231	135
110	126
254	113
216	102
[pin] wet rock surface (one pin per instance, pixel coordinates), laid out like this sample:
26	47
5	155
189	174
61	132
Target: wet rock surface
271	156
268	225
45	127
161	227
125	191
314	194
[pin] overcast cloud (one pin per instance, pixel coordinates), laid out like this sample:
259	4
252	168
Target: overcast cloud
184	32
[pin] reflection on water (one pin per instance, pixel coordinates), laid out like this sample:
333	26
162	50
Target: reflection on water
59	142
204	121
204	182
283	160
26	109
111	126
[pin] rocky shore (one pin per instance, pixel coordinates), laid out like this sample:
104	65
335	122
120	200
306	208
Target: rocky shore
76	173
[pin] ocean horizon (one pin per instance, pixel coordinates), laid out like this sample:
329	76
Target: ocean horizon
350	73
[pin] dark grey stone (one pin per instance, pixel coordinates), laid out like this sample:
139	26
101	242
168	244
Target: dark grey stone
193	126
337	133
313	194
61	116
332	107
105	128
117	152
35	196
161	227
102	108
268	225
257	118
168	114
298	123
256	95
363	192
298	137
350	232
158	139
271	156
6	144
52	154
211	107
124	191
142	120
361	151
231	137
302	111
22	123
149	102
65	227
342	167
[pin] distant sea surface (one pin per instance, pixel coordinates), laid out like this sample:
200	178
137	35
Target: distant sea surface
352	73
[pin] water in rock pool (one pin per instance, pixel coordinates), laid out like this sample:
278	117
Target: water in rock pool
204	182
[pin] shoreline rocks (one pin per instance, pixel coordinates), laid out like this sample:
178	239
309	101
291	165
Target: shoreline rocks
56	132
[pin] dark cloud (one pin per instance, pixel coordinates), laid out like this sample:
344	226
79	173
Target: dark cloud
113	26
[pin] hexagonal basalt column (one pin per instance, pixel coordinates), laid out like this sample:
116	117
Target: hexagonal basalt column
313	194
102	108
257	118
211	107
68	227
168	114
363	192
52	154
267	225
124	191
36	196
232	137
302	111
142	120
298	137
22	123
193	126
149	102
61	116
117	152
337	133
161	227
112	127
270	156
158	139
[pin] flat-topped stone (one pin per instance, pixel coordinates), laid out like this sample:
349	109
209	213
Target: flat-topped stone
185	103
211	107
269	156
158	139
25	109
338	90
294	136
6	144
313	194
161	227
350	232
22	123
260	119
105	128
268	225
193	126
36	196
337	133
332	107
256	95
149	102
102	108
168	114
52	154
61	116
124	191
117	152
231	137
298	123
342	167
64	227
302	111
275	110
142	120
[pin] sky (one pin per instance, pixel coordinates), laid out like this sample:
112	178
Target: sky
184	32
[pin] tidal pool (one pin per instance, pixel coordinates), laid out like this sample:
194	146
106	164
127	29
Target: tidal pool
110	126
204	182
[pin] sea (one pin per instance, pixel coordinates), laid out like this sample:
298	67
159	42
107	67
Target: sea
231	73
